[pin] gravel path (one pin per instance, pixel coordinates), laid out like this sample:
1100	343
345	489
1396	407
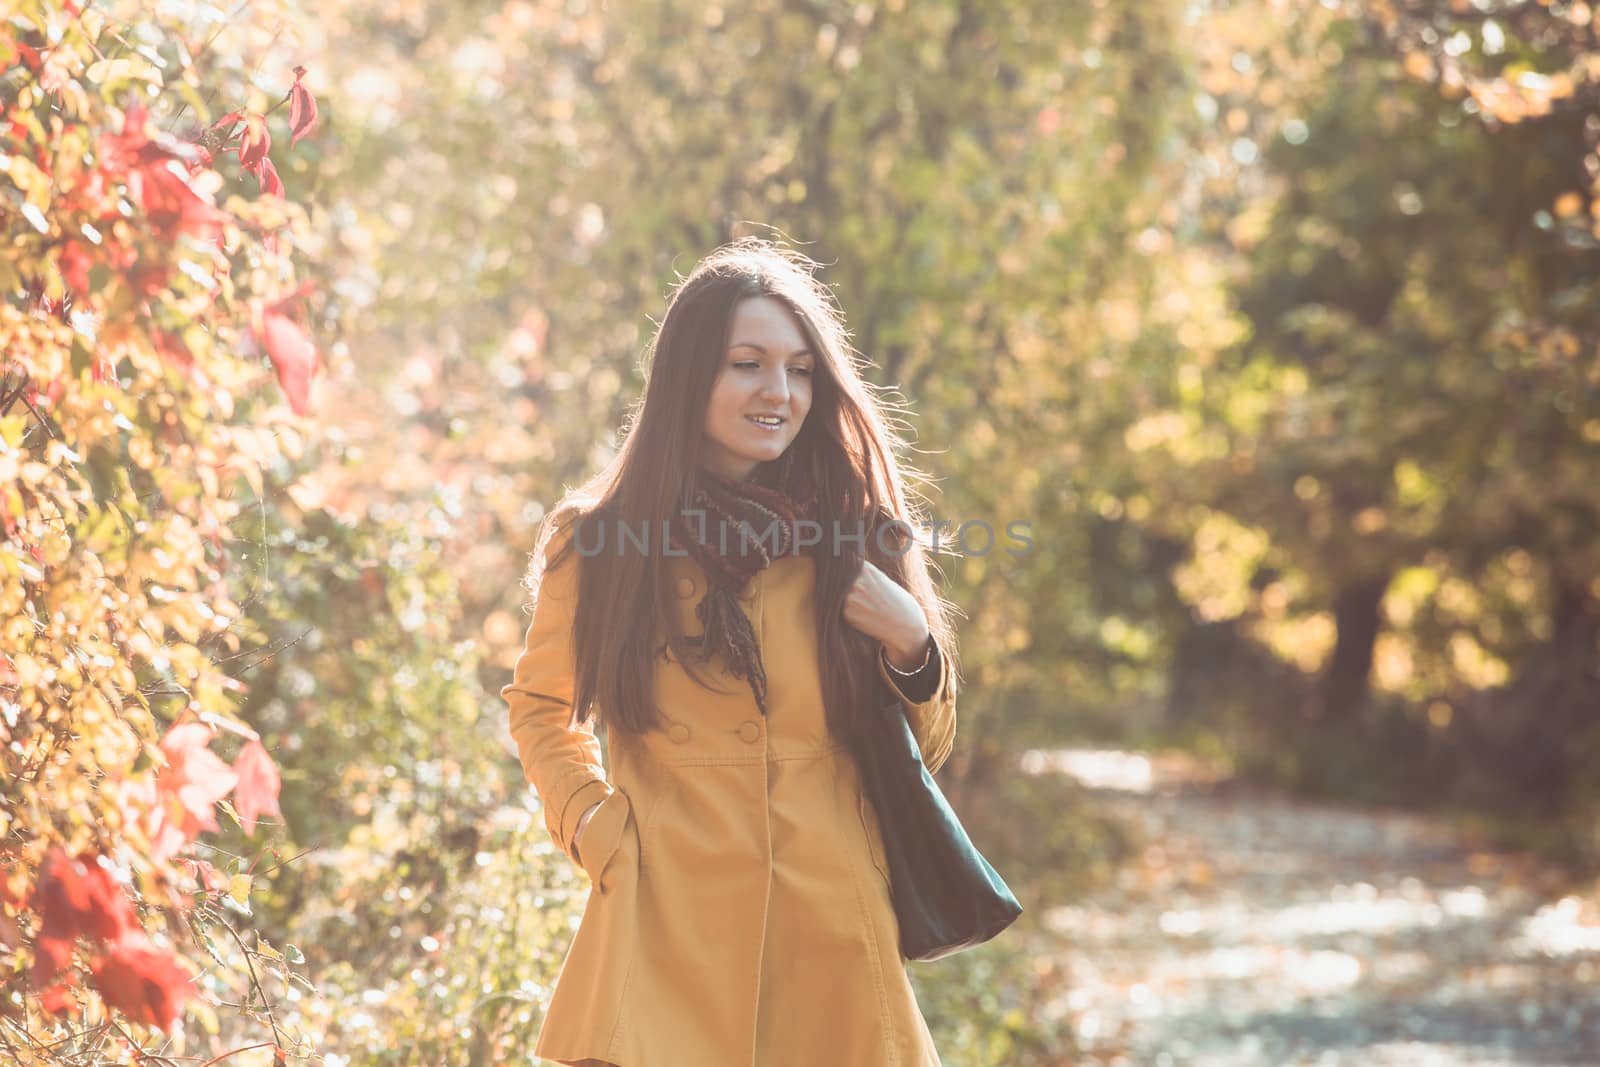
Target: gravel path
1255	930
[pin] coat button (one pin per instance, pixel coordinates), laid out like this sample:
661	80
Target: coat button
686	588
750	731
678	732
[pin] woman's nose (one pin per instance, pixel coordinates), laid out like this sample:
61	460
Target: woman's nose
776	386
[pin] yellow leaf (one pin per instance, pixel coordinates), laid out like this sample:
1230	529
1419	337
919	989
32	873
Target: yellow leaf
122	69
203	1013
25	175
239	889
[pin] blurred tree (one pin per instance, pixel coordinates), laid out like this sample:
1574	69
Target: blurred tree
1411	417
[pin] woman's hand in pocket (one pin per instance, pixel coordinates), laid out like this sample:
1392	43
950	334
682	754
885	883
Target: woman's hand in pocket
583	820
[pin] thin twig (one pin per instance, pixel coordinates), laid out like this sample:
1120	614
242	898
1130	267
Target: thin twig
277	1036
195	58
41	418
144	1054
274	652
12	397
284	863
244	1048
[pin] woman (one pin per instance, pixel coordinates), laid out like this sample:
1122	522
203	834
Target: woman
739	911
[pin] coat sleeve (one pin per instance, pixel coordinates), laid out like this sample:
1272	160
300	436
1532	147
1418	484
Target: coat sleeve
933	720
559	759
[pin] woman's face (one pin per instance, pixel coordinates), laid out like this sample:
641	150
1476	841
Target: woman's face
765	375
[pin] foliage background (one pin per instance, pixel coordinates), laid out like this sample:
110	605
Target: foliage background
1276	320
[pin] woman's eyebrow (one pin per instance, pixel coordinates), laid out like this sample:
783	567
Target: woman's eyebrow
763	349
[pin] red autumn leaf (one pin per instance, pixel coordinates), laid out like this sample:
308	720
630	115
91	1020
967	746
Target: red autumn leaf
259	783
56	1001
168	839
148	277
267	178
173	206
197	776
143	982
143	806
205	875
46	397
50	957
120	151
302	108
156	170
172	348
254	141
76	896
79	896
183	739
293	356
74	262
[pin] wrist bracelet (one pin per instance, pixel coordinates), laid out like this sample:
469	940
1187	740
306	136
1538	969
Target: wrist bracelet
927	656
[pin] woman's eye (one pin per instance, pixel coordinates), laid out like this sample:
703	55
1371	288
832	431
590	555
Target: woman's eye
752	364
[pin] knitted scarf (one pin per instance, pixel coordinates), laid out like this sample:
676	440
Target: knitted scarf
732	541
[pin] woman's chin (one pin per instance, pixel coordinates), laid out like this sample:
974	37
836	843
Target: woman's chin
765	451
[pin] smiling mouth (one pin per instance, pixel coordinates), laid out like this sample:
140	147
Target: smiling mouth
766	423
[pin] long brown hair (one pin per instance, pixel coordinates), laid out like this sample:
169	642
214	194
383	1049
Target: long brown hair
845	452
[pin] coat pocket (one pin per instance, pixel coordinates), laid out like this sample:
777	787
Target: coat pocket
602	836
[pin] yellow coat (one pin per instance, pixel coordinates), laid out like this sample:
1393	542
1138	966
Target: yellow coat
739	912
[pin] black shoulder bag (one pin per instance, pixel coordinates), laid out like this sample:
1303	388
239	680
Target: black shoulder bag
946	895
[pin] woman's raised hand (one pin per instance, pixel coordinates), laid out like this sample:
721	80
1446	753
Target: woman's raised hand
879	607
